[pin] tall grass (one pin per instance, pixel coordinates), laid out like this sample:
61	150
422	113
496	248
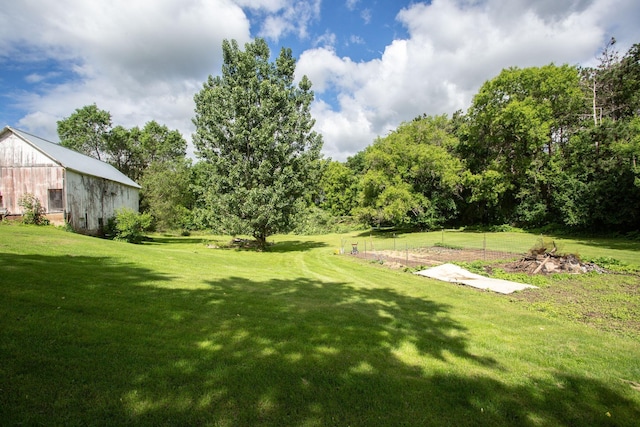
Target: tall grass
175	332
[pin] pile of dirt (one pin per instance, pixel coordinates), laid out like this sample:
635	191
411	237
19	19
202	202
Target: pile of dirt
551	263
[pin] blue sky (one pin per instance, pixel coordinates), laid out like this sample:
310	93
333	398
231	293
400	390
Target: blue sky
373	64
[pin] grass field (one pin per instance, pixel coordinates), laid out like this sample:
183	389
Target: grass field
176	332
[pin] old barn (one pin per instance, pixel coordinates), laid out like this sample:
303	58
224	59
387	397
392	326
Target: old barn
73	188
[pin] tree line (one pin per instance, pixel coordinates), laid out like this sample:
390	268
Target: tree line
539	146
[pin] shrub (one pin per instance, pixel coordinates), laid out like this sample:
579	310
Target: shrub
33	210
130	226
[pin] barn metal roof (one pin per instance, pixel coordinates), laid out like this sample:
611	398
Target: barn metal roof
73	160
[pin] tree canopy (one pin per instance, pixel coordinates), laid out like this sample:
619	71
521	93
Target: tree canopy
153	156
539	146
254	127
86	131
411	176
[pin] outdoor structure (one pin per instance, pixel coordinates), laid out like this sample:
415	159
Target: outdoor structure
71	187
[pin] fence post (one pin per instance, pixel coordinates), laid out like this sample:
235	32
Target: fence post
484	246
406	249
365	249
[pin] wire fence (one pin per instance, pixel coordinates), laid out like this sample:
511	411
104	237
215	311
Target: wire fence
433	248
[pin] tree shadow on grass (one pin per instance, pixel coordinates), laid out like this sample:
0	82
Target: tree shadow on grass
387	232
120	350
165	240
295	246
615	243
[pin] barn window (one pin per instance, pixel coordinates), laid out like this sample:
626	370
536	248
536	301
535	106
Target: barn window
55	200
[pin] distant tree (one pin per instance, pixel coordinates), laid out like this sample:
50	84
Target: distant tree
133	151
160	144
254	127
124	151
601	164
86	131
167	195
517	124
411	176
89	131
339	188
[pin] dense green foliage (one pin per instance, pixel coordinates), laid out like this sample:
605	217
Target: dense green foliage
167	194
86	131
133	151
411	176
540	146
254	128
130	226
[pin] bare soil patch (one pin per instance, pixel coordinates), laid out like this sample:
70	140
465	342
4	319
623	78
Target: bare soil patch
513	262
432	256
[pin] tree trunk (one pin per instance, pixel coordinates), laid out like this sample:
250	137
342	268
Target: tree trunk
261	239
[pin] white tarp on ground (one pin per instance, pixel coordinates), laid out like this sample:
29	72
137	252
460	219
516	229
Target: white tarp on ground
454	274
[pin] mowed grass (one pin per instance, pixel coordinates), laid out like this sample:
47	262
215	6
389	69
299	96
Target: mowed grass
176	332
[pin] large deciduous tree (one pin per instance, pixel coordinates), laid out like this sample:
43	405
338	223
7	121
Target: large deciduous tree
87	131
254	126
167	194
339	188
411	176
517	124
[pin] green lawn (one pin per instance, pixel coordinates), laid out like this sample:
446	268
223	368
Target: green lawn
174	332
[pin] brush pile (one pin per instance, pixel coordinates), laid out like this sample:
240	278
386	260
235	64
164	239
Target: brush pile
541	260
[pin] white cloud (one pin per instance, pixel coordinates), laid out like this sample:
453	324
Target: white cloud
139	60
39	78
144	60
351	4
328	39
452	48
345	132
282	18
353	39
366	15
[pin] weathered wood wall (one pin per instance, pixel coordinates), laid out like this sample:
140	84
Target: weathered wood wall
91	201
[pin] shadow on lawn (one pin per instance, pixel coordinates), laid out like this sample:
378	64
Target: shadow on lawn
617	244
295	246
166	240
117	351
